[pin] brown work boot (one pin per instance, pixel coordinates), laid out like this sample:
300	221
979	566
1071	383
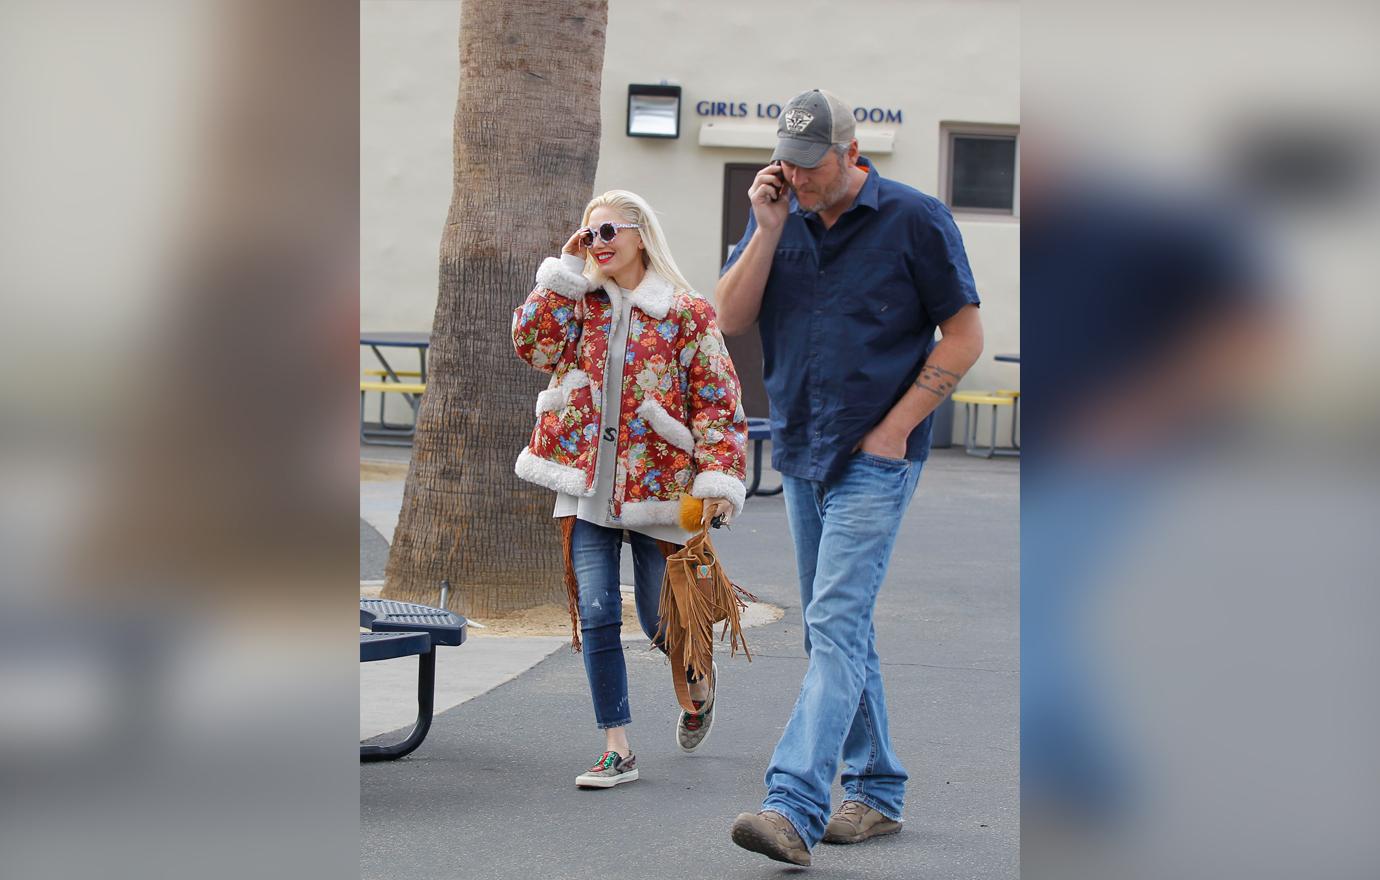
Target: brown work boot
772	835
855	821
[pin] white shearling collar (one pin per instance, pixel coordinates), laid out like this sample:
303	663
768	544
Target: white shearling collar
653	296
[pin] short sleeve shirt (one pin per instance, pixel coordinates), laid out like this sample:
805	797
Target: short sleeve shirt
849	316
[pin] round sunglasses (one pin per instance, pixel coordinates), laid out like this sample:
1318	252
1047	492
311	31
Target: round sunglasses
605	231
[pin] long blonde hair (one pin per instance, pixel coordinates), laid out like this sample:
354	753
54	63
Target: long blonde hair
656	254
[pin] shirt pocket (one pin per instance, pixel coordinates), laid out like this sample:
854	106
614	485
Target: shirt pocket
793	266
879	291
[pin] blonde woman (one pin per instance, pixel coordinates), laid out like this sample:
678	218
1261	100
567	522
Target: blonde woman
643	406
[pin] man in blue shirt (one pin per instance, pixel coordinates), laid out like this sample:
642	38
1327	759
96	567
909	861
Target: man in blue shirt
847	276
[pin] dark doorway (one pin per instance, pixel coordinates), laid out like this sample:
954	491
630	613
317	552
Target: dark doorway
746	349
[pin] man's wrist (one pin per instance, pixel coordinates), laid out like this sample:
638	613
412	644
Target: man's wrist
770	235
893	429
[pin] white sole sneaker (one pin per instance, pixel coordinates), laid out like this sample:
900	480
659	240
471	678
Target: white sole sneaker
714	706
586	781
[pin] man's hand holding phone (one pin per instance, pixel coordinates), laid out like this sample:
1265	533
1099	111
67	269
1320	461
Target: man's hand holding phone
769	197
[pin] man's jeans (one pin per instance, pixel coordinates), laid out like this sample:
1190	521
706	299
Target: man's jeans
843	531
595	551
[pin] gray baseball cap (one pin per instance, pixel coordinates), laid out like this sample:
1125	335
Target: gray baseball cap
809	124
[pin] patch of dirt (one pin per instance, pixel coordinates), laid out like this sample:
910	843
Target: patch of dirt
382	471
552	619
545	620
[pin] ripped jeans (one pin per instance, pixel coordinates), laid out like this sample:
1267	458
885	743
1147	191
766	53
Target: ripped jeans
595	551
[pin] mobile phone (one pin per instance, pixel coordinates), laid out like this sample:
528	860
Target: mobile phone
780	176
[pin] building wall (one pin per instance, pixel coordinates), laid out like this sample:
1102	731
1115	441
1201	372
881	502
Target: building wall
409	80
948	60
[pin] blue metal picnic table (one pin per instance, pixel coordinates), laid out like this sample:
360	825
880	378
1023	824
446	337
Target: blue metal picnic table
378	339
759	431
407	383
402	629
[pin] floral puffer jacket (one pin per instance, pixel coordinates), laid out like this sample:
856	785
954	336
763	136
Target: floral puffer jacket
681	427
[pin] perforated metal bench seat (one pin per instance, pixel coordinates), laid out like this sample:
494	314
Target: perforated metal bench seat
401	629
386	615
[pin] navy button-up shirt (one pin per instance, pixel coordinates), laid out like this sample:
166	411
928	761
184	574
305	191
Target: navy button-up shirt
849	316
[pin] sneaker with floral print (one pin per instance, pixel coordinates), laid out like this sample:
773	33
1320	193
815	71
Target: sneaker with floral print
611	769
693	727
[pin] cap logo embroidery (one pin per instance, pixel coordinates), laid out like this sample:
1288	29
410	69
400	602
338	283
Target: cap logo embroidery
797	120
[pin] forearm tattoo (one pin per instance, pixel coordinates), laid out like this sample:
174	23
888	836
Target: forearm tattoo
937	381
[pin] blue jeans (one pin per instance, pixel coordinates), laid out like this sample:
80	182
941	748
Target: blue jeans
595	551
843	531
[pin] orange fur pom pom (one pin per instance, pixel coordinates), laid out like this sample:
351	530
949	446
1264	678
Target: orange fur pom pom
691	513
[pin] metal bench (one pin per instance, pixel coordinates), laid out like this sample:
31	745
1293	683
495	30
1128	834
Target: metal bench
971	401
387	434
396	376
390	646
759	431
402	629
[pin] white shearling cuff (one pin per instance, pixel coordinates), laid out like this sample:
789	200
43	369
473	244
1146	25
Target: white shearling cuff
557	276
571	481
717	484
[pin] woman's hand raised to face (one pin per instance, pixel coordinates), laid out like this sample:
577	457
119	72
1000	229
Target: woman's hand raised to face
576	246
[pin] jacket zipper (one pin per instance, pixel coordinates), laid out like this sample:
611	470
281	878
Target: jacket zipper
604	403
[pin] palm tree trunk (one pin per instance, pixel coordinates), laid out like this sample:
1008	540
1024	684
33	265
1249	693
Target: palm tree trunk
526	148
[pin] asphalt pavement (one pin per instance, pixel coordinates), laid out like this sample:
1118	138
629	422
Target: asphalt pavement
491	792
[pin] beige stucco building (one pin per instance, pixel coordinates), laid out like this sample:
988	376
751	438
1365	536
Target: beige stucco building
922	69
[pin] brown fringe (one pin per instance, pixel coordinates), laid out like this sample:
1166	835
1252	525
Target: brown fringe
667	549
690	608
572	586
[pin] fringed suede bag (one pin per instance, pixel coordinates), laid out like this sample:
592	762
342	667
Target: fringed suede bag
695	596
